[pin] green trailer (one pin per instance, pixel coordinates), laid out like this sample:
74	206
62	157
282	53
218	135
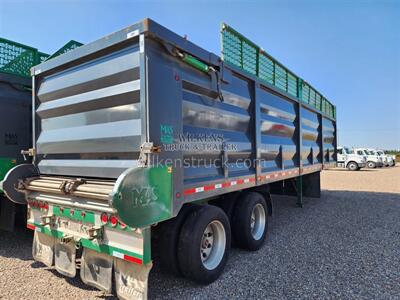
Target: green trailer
16	60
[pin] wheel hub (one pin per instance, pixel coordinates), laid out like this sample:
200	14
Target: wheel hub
258	221
212	246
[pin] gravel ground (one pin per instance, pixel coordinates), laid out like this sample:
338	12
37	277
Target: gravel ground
344	245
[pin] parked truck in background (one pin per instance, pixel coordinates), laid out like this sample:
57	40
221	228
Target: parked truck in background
350	159
16	60
388	159
15	122
373	160
147	146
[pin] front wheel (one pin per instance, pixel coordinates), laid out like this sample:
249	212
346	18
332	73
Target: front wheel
352	166
371	165
204	244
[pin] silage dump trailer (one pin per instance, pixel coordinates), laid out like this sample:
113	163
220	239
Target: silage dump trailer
16	61
144	140
16	116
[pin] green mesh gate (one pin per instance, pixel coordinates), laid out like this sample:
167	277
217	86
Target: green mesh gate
18	59
71	45
242	53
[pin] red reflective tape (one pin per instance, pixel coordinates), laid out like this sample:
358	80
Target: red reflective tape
30	226
189	191
226	184
218	186
209	187
133	259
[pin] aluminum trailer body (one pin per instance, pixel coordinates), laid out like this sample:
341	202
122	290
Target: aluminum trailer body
133	132
15	135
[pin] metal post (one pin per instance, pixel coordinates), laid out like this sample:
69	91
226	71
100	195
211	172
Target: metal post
299	188
299	179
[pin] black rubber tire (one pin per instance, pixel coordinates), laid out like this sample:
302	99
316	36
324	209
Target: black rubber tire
352	163
165	237
241	230
371	165
190	239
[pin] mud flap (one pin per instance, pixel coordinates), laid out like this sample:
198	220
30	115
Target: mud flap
43	248
96	269
131	279
65	257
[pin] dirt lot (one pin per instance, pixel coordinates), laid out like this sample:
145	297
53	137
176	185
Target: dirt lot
344	245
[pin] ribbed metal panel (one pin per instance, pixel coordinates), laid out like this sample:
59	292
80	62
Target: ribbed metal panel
221	124
91	111
328	140
310	134
277	124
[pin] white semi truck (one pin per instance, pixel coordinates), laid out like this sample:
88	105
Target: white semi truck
389	161
373	159
350	159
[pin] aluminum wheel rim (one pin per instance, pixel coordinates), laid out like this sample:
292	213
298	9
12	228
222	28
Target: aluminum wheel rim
258	221
212	246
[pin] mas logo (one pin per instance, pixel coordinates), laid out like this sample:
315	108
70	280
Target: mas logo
143	196
167	134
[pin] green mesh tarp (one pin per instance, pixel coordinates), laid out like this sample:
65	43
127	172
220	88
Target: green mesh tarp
242	53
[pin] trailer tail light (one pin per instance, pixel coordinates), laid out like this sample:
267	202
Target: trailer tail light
104	218
113	221
46	206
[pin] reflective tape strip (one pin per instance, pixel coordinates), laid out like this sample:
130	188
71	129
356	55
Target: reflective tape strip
30	226
118	254
313	168
199	189
279	174
218	186
127	257
133	259
33	227
227	184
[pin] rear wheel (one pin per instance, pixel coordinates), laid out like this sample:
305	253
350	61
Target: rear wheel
250	221
204	244
371	165
165	238
352	166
